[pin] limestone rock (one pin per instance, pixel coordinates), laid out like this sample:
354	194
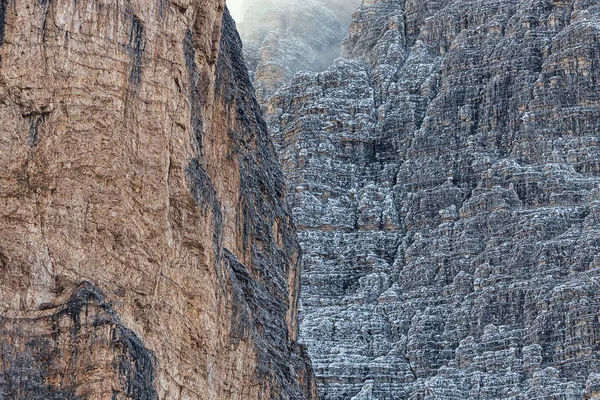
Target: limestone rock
145	246
444	177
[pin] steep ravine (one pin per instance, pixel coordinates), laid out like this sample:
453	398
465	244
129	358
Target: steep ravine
146	250
444	176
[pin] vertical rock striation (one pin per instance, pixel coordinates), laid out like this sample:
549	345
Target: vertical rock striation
145	247
445	181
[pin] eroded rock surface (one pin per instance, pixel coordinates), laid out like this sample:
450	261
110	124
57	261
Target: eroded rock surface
145	247
445	178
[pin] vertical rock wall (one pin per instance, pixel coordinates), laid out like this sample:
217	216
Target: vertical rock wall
444	177
145	247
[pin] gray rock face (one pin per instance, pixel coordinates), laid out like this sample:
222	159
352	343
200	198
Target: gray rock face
445	179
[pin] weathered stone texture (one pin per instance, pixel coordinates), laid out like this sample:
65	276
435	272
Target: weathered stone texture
445	178
145	247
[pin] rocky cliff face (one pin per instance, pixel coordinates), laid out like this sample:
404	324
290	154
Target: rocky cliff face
283	37
445	179
145	246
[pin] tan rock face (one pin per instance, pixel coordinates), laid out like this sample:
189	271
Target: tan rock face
145	247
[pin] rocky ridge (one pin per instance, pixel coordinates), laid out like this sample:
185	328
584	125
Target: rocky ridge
145	246
445	181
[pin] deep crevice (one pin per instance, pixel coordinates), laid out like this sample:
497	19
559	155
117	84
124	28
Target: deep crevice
35	120
136	48
2	20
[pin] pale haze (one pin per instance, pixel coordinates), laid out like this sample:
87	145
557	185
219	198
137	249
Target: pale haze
235	7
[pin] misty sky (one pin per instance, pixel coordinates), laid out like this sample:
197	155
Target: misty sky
235	8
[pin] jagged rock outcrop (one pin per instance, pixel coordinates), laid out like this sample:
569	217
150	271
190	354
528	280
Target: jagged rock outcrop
283	37
145	247
445	178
